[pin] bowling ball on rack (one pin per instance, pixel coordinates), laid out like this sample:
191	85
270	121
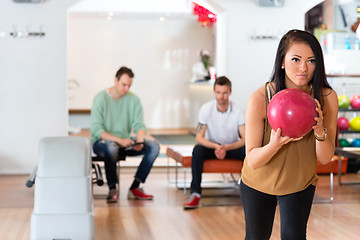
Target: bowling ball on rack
344	143
355	142
355	101
292	110
343	123
344	101
355	124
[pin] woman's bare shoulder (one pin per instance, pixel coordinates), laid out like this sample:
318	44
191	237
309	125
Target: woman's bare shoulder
330	99
258	98
258	93
329	94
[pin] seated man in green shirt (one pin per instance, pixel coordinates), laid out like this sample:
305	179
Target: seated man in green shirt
116	112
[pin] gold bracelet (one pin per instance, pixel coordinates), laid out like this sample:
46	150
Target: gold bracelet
321	139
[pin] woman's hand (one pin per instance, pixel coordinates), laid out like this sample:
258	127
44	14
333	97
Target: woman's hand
278	141
319	126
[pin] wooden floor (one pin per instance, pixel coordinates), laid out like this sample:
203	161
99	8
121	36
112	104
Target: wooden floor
164	217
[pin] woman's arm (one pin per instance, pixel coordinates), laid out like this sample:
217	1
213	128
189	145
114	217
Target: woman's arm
256	154
327	119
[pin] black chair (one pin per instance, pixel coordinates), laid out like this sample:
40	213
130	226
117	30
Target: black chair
97	176
31	179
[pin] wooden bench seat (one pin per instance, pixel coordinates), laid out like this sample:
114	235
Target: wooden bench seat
182	155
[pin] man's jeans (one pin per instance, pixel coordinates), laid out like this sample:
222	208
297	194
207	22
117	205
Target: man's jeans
110	150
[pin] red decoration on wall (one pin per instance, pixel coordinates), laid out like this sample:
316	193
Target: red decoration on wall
205	17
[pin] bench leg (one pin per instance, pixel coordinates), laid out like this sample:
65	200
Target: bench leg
331	186
330	200
176	174
184	180
176	181
168	171
236	181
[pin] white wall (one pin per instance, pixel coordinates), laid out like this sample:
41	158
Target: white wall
161	54
33	88
250	62
32	81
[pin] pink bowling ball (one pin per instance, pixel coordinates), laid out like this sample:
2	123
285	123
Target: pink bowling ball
292	110
343	123
355	101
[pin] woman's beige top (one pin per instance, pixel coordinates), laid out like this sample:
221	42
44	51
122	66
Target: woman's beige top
291	169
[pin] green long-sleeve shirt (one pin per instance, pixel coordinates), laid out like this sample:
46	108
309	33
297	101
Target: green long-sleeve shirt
117	117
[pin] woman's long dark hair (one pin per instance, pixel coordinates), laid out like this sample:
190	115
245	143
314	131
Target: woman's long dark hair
319	81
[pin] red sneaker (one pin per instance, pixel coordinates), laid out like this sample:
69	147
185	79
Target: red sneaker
194	201
113	196
139	194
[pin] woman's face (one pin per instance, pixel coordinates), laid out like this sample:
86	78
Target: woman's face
299	63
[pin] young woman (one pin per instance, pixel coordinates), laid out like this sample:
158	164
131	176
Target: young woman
279	169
